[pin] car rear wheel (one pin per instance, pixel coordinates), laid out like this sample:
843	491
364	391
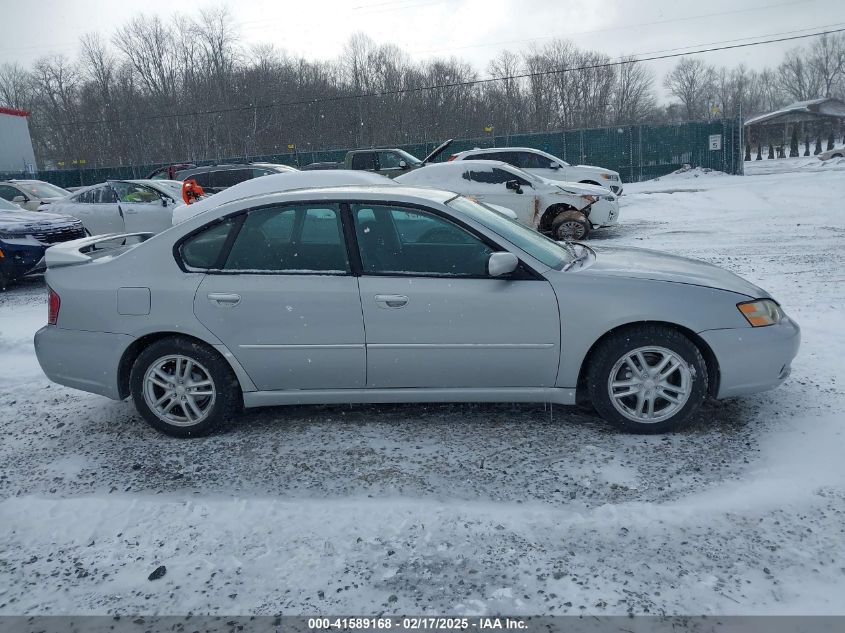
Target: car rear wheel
183	388
647	379
570	225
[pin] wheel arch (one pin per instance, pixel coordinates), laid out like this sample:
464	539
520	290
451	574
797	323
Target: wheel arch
709	356
131	353
551	213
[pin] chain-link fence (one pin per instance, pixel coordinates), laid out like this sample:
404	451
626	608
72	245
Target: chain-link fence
637	152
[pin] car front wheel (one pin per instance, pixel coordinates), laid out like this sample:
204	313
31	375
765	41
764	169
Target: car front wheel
570	225
183	388
647	379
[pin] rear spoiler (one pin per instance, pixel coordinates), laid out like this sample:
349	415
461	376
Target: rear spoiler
78	251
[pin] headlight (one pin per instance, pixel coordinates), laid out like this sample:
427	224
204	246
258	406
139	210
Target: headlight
606	176
761	313
609	198
589	198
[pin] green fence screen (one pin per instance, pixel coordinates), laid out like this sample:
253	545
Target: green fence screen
637	152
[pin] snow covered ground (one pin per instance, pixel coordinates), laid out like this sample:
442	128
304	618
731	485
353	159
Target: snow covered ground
475	509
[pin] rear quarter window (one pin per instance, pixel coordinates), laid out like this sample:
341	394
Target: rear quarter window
202	250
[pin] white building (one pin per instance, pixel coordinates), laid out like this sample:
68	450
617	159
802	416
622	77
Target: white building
16	155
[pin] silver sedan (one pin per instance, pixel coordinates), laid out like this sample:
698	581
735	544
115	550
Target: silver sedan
396	294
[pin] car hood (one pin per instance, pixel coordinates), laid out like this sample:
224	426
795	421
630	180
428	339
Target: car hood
640	263
8	218
580	188
594	170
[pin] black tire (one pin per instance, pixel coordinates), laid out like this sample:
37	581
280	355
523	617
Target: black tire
570	225
225	404
618	345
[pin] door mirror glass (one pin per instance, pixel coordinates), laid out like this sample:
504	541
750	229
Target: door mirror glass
403	164
501	264
514	186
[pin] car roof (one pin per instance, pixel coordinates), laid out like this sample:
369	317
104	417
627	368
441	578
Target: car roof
502	149
285	181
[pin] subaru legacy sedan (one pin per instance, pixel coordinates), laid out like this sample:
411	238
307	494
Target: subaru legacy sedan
397	294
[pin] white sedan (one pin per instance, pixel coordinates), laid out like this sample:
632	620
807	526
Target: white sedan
566	211
546	165
123	206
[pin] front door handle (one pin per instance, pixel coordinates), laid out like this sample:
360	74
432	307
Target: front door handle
391	301
224	299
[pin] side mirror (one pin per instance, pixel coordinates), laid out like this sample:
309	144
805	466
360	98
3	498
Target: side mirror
20	199
403	164
501	264
554	165
513	185
164	201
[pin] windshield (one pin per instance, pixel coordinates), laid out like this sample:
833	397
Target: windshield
42	189
538	246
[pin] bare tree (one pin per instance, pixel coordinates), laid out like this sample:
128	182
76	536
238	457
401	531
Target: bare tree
691	81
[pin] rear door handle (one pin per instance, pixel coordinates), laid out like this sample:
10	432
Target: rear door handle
391	301
224	299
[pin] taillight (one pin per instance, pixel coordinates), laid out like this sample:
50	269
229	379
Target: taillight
452	157
54	302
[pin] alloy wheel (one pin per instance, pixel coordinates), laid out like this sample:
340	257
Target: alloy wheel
650	384
179	390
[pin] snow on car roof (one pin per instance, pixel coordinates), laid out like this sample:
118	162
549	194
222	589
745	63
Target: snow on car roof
277	183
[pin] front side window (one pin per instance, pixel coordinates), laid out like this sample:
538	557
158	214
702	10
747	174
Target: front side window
404	241
103	195
291	239
530	160
535	244
388	160
9	193
493	176
129	192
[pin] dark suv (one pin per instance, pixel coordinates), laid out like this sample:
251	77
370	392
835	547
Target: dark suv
215	178
25	235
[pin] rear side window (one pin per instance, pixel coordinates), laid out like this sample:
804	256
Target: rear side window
203	178
84	197
364	160
230	177
202	250
530	160
293	239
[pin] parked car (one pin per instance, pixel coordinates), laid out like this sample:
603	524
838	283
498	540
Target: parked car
563	210
320	166
119	206
390	162
395	294
24	236
216	178
546	165
33	195
836	152
168	172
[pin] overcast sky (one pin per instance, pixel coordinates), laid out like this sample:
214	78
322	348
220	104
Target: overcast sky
474	30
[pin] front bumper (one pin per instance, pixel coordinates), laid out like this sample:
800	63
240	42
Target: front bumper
604	213
753	359
83	360
20	257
